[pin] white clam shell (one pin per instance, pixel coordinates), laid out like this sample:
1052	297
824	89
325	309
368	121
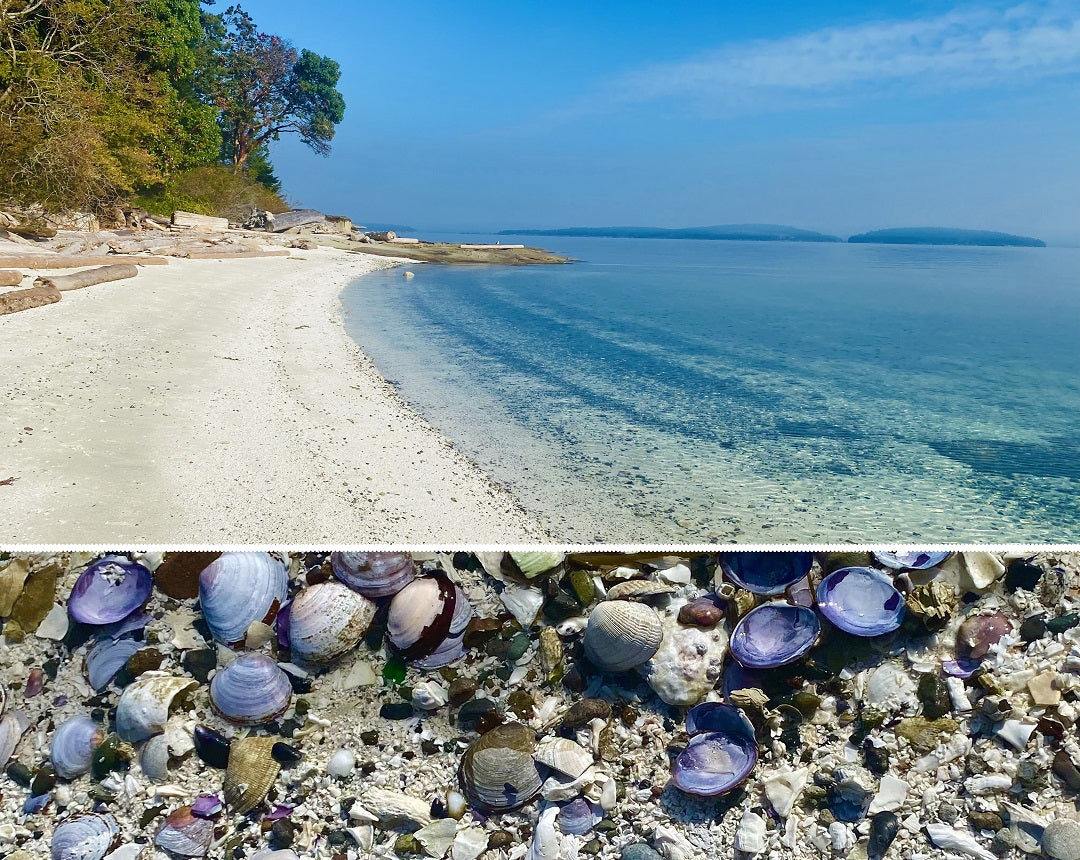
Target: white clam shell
412	611
73	744
621	635
238	588
395	808
154	759
326	621
143	709
12	728
563	755
84	837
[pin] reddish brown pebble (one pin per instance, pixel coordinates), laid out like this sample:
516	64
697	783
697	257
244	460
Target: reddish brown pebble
178	575
35	682
703	612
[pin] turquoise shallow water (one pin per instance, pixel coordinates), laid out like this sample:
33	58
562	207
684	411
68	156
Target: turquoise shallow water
753	391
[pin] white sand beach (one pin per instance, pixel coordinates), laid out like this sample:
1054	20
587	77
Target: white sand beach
222	402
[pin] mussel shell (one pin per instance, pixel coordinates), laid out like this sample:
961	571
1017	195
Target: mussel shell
373	574
251	691
622	634
774	634
84	837
714	763
766	572
424	615
915	560
143	708
72	748
498	773
109	590
238	588
327	620
861	601
212	747
185	834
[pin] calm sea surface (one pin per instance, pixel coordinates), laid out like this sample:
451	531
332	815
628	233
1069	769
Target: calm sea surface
692	391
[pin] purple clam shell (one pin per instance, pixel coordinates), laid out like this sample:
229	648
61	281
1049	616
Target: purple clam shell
207	806
107	658
766	572
774	634
718	717
373	574
578	817
110	590
861	601
251	691
916	560
715	763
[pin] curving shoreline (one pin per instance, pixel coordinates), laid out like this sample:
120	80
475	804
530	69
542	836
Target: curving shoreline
209	401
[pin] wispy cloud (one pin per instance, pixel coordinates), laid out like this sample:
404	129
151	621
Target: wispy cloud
964	48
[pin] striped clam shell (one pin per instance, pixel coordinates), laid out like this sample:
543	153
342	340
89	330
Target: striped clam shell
84	837
497	772
239	588
251	691
73	745
621	635
184	834
327	620
251	773
373	574
638	589
12	727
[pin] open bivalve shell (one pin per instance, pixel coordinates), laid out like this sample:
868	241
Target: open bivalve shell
326	621
109	590
185	834
721	754
427	621
622	634
497	772
563	755
73	745
84	837
373	574
143	709
239	588
251	691
774	634
766	572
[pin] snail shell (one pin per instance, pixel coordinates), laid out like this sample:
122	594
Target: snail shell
84	837
73	745
143	708
498	772
373	574
251	773
238	588
251	691
327	620
621	635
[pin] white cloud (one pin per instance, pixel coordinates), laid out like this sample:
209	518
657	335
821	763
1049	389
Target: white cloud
962	49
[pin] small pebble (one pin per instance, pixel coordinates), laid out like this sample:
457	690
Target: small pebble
639	851
396	711
1061	839
341	764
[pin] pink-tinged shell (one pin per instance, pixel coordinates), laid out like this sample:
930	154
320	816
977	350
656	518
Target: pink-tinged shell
12	728
185	834
427	620
73	745
251	691
239	588
326	621
374	574
978	633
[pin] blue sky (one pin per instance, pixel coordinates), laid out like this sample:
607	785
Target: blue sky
838	116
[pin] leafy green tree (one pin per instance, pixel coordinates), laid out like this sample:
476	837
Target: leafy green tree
266	88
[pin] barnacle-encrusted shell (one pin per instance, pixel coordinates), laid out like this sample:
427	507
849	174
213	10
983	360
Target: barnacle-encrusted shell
184	834
84	837
251	690
373	574
622	634
327	620
73	745
563	755
238	588
637	589
143	708
498	772
251	773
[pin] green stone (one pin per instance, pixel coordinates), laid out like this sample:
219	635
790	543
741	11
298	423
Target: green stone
394	671
518	646
584	587
924	735
37	599
1063	622
406	844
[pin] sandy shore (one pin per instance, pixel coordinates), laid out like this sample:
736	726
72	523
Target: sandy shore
222	402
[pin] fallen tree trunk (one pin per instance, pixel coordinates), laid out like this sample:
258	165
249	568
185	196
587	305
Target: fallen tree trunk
234	255
9	278
78	280
297	218
404	240
22	300
74	261
382	235
204	222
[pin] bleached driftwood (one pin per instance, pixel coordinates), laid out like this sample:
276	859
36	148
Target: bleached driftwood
75	261
22	300
404	240
211	254
492	247
153	225
381	235
295	218
10	278
88	278
203	222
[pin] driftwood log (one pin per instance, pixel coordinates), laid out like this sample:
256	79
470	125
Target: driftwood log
22	300
297	218
404	240
382	235
211	254
204	222
75	261
10	278
78	280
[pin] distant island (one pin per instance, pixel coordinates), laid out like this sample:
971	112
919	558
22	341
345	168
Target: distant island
945	236
382	228
737	232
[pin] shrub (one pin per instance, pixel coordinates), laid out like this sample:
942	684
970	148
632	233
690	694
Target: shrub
212	190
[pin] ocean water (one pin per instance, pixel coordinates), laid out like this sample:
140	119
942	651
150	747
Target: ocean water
699	391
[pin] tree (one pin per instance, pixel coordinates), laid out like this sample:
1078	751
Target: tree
266	88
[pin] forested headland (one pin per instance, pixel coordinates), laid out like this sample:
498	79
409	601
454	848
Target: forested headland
164	104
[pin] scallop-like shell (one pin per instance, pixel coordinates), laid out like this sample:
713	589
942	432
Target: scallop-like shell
238	588
622	634
774	634
563	755
766	572
427	620
861	601
184	834
327	620
251	773
109	590
12	728
373	574
251	691
73	744
84	837
143	708
638	589
497	772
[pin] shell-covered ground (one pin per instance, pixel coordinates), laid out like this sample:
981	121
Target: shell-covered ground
859	740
